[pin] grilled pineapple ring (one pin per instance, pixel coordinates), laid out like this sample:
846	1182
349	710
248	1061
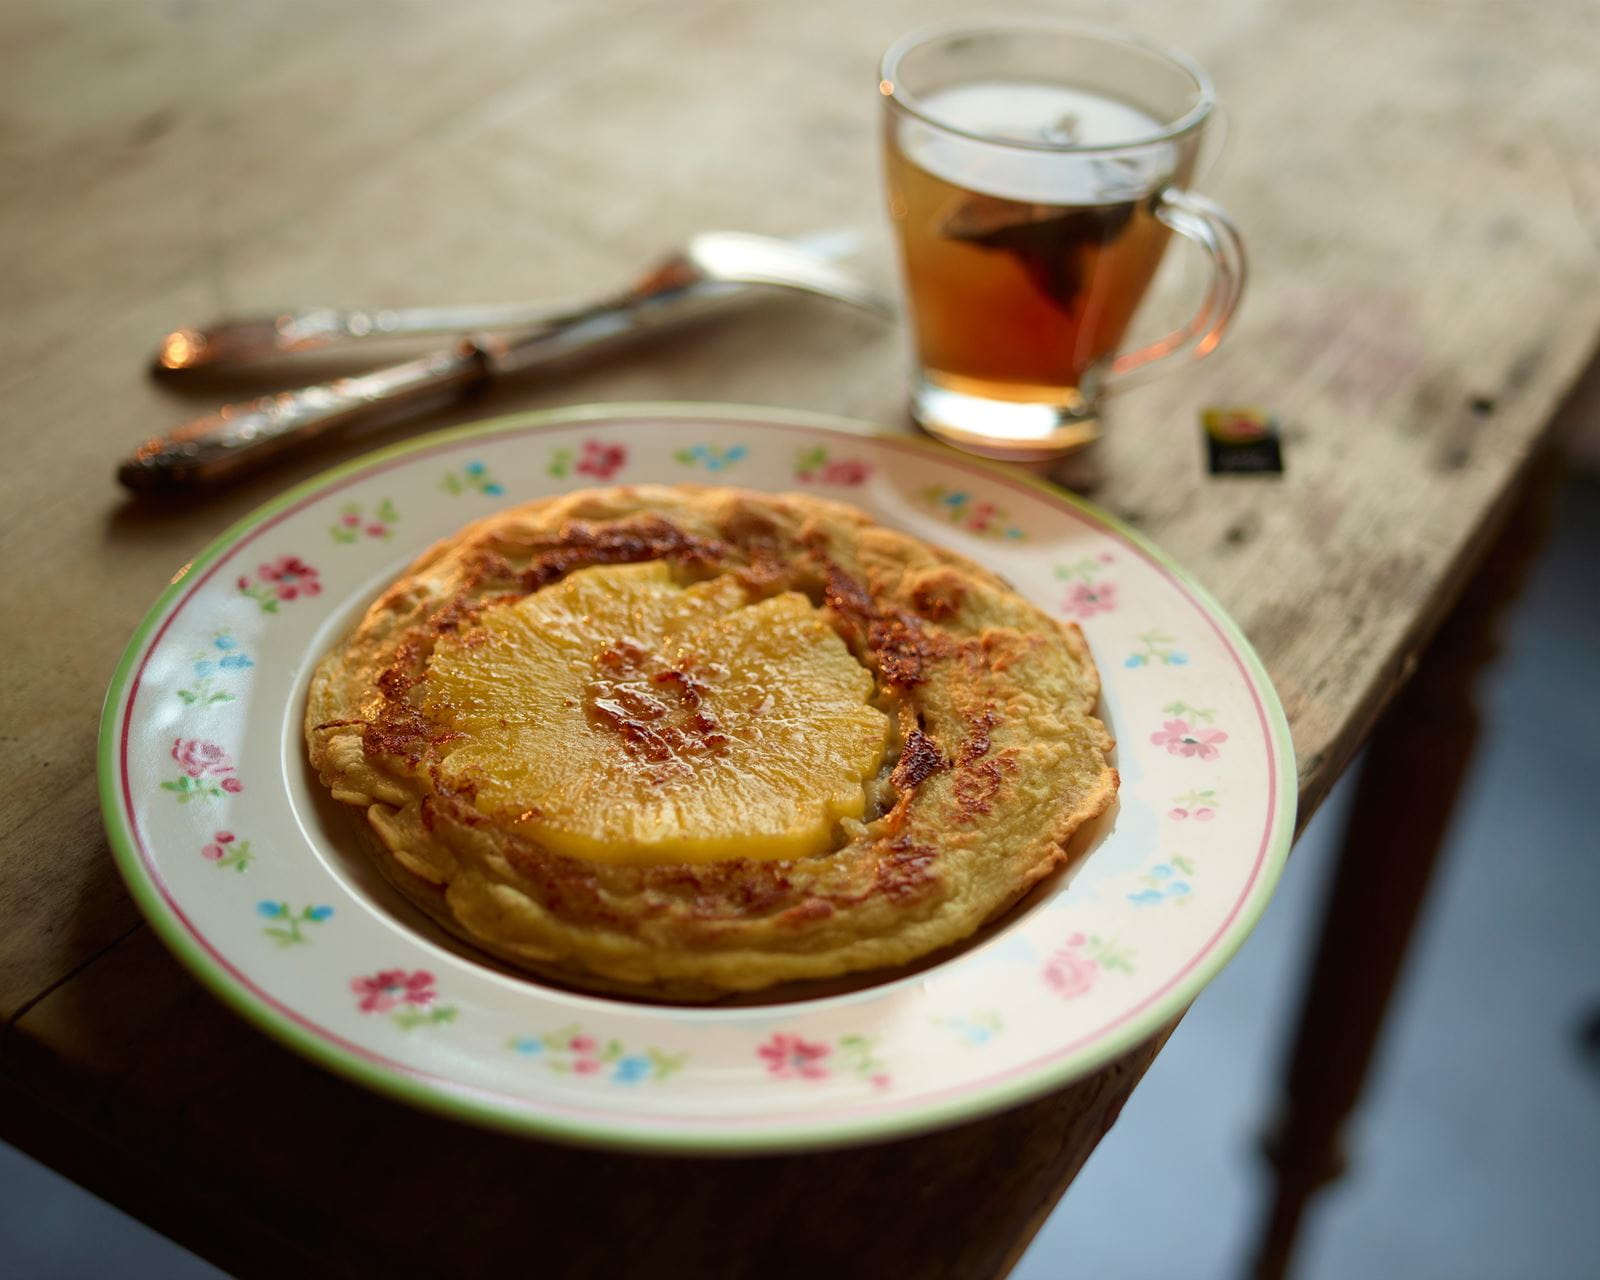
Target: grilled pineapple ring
685	741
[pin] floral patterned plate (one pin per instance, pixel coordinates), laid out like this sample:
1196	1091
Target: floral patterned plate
237	860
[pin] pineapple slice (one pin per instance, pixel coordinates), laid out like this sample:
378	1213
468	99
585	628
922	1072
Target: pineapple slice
620	717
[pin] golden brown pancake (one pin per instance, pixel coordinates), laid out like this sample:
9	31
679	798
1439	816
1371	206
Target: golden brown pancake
683	741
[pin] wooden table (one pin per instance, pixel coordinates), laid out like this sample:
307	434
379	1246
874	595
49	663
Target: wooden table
1420	190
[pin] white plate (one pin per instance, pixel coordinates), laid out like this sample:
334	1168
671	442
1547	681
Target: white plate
233	854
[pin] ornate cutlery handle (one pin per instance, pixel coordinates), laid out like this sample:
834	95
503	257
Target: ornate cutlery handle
239	437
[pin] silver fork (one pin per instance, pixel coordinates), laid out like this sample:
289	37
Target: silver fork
727	257
713	269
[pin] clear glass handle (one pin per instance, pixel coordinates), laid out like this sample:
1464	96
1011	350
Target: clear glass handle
1205	223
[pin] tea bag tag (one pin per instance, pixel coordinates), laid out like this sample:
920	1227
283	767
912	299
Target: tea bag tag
1242	442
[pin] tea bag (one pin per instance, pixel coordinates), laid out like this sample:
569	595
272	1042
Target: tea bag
1051	241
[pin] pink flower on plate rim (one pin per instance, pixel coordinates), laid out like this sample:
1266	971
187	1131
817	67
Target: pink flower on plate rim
204	759
601	460
1182	739
1069	972
390	988
290	577
846	471
1087	599
793	1057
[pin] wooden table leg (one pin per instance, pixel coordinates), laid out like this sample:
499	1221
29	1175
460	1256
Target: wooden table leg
1405	796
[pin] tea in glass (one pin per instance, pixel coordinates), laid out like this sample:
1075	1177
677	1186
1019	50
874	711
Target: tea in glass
1035	174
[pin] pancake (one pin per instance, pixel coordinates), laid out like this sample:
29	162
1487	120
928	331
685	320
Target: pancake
682	742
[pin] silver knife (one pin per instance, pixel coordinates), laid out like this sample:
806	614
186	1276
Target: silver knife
240	437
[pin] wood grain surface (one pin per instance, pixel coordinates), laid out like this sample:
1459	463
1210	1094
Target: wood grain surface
1419	187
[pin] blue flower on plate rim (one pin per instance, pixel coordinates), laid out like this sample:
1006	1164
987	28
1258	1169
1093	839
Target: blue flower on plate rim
631	1069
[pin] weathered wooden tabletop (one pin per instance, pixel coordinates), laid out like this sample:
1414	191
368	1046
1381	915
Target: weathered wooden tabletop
1419	186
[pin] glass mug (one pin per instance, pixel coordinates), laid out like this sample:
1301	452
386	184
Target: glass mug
1035	173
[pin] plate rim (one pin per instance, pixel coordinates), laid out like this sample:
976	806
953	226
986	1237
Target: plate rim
465	1102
